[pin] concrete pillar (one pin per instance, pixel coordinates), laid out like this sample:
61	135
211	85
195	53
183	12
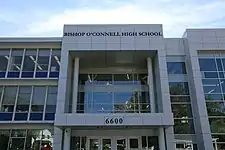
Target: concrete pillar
151	84
161	139
67	136
57	139
75	84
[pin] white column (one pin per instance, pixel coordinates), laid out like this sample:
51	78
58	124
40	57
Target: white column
75	84
161	139
151	84
66	140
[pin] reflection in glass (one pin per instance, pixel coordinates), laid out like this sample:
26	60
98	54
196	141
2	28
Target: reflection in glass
107	93
207	64
94	144
37	104
4	139
182	110
215	108
9	99
183	126
4	59
51	99
29	63
55	63
217	125
42	63
15	63
106	144
176	68
179	88
121	144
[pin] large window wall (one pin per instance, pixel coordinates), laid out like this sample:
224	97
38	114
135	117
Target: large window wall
21	103
118	93
29	63
212	67
26	139
181	106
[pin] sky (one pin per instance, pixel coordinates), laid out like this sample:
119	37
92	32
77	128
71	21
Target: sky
32	18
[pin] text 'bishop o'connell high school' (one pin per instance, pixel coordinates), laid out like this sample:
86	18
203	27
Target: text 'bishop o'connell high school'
113	34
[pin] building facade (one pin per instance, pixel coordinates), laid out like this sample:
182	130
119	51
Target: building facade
113	87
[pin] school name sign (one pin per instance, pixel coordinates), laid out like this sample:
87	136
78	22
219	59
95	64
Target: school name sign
113	34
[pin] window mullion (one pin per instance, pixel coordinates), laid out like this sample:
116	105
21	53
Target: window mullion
1	100
35	66
49	63
15	104
46	96
31	100
21	67
9	62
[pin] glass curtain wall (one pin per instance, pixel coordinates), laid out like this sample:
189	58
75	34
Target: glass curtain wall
22	103
118	93
212	67
26	139
29	63
181	106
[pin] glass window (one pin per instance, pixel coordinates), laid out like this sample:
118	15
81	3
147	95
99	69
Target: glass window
182	110
42	63
102	102
51	99
123	79
213	97
215	108
38	102
217	125
55	63
29	63
9	99
219	64
176	68
207	64
212	89
183	126
39	138
127	102
102	79
15	63
210	75
180	98
4	139
179	88
23	101
38	99
4	58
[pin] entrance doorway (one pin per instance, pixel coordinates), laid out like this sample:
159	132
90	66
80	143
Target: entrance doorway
113	143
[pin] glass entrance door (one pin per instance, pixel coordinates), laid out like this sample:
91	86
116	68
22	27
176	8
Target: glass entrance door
99	143
121	143
17	143
128	143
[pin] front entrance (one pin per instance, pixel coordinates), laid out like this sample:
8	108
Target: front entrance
127	139
117	143
114	143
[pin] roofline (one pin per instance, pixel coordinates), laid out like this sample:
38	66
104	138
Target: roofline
29	39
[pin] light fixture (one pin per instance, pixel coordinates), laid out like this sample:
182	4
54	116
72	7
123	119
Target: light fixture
39	67
57	60
89	78
128	77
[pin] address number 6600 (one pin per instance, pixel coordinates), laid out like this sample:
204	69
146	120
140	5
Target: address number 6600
114	121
